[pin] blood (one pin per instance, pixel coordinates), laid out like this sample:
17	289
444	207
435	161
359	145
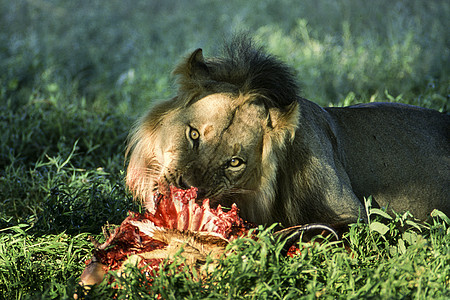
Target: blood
177	210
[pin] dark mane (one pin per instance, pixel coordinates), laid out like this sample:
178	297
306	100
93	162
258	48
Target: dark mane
244	68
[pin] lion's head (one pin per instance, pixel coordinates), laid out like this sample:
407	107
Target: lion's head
224	132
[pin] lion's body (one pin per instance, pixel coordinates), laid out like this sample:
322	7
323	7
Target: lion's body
404	166
399	154
238	131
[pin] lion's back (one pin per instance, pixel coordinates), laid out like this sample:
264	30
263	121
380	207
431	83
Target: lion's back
400	154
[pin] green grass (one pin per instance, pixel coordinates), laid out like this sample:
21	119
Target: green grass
401	259
74	75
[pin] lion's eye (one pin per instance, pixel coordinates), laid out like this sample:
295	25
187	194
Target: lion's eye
194	134
235	162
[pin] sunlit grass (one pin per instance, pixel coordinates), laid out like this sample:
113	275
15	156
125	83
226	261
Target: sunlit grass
74	75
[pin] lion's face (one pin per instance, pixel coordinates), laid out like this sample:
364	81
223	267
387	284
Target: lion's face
214	144
222	144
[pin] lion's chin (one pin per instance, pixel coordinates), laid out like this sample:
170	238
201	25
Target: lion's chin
203	195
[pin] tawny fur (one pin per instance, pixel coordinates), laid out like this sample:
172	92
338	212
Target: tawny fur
282	158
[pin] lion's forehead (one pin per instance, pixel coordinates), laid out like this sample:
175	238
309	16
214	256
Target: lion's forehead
214	105
220	115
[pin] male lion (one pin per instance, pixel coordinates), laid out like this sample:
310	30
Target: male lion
239	132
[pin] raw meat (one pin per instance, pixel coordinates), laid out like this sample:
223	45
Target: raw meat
147	239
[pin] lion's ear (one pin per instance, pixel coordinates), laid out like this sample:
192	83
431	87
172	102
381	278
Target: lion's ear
193	68
196	65
283	122
191	73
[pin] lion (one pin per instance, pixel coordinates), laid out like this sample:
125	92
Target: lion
238	130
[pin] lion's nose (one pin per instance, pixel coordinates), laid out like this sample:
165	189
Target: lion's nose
182	184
